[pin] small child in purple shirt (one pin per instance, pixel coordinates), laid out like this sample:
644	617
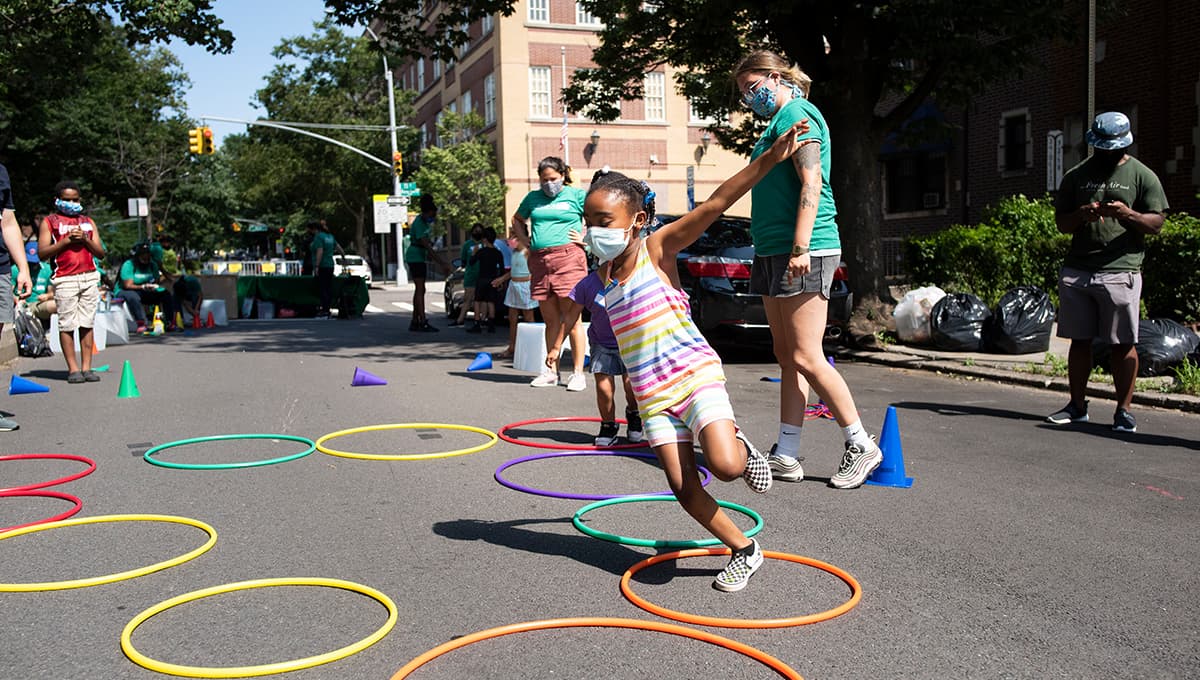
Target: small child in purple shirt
606	359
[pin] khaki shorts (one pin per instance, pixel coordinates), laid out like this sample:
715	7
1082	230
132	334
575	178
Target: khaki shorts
1099	305
77	297
556	270
768	276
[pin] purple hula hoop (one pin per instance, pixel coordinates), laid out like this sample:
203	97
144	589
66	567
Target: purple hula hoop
582	496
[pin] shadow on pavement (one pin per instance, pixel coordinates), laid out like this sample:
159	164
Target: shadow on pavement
488	376
610	557
968	410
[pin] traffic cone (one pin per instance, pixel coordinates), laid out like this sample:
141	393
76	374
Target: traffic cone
20	385
481	362
210	323
891	471
178	319
128	388
365	379
101	369
196	320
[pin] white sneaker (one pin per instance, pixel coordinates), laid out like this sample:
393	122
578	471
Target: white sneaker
546	379
785	468
576	383
737	573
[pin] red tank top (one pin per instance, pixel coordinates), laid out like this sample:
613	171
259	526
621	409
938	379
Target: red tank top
75	258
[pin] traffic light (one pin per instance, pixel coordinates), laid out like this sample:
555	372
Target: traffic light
398	163
237	227
207	141
196	140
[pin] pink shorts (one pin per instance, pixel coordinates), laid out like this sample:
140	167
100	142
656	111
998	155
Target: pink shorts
681	422
556	270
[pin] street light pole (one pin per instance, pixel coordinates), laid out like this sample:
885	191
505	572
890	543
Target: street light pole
401	275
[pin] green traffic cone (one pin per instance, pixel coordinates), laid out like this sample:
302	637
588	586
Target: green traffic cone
129	388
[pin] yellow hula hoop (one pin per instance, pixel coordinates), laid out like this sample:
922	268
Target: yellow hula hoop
111	578
492	439
264	669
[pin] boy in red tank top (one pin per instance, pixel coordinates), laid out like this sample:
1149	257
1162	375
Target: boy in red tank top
69	241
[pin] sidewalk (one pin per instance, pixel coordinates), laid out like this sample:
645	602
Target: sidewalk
1004	368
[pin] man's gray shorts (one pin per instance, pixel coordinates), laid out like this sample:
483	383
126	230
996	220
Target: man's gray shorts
768	276
6	299
1099	305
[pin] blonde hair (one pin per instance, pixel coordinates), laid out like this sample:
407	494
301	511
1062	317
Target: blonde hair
765	62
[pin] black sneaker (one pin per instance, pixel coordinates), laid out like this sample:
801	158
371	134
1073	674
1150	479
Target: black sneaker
1123	421
426	328
1069	414
475	329
633	427
608	434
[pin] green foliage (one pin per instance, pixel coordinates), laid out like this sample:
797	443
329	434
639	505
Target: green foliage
462	176
1015	244
1187	377
1170	285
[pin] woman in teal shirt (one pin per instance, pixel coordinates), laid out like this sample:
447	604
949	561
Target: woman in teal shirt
543	223
793	222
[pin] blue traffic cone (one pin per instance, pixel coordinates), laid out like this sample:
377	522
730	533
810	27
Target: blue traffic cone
891	471
482	362
19	385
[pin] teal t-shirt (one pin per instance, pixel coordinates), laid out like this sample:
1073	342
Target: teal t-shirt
776	198
470	269
139	275
552	219
324	241
41	283
1107	245
420	229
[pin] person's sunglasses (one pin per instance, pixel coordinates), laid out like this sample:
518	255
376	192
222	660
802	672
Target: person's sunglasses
748	95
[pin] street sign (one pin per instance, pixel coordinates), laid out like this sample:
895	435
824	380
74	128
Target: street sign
389	210
691	187
139	207
409	189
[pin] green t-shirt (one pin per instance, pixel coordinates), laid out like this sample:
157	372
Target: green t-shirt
139	274
324	241
552	219
190	286
470	269
777	197
41	283
1107	245
420	229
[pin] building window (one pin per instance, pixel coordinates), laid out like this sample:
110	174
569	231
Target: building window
539	92
424	135
489	98
539	11
584	17
421	74
486	24
696	118
1015	154
467	103
437	127
437	69
656	96
914	183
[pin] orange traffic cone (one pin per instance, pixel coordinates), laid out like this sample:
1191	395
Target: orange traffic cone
210	323
196	320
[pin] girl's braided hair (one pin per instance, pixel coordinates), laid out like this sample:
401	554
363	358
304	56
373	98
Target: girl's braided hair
636	194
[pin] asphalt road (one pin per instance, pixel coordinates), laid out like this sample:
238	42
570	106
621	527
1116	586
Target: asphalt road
1021	551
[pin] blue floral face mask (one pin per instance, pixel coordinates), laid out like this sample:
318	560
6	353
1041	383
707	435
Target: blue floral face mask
69	208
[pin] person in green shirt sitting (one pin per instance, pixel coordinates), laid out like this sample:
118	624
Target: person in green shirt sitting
141	283
41	302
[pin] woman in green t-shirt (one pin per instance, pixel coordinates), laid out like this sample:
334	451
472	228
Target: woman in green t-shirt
544	223
794	228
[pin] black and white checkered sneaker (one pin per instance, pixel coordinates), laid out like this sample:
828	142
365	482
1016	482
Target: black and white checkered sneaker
737	573
857	464
758	471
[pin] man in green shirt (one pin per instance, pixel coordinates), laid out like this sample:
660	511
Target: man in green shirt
321	250
1108	204
417	257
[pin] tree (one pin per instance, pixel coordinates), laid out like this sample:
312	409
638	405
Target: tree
462	175
884	60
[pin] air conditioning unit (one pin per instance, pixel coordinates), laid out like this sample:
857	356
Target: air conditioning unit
931	200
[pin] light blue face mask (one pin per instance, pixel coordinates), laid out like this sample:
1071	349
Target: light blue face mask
762	100
606	243
69	208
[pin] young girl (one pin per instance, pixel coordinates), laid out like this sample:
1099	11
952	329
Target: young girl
517	299
677	378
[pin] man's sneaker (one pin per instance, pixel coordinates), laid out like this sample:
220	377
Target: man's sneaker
1123	421
8	425
475	329
427	328
857	464
741	567
546	379
758	471
576	383
633	427
1069	414
608	434
782	469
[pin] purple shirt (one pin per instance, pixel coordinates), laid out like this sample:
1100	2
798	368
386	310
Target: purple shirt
589	292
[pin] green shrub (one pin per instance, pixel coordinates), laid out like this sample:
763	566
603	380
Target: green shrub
1171	274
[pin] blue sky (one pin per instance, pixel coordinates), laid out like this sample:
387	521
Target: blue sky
224	85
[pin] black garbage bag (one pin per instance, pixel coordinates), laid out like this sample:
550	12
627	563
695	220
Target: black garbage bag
956	322
1022	323
1162	345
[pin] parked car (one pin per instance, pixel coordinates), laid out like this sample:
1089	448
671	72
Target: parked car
452	293
352	265
715	273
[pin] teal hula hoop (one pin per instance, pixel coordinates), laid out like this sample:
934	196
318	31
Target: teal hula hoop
577	520
149	455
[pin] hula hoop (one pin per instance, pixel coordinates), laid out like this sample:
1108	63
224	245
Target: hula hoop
110	578
406	456
581	496
818	410
264	669
563	447
591	622
54	482
43	494
695	619
149	455
577	520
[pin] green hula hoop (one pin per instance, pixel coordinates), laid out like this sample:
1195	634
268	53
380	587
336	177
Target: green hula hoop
577	520
149	455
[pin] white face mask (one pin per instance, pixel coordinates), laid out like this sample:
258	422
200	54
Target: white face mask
552	189
606	243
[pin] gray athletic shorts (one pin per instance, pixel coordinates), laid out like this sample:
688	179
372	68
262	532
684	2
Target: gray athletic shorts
6	299
1099	305
606	360
768	276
